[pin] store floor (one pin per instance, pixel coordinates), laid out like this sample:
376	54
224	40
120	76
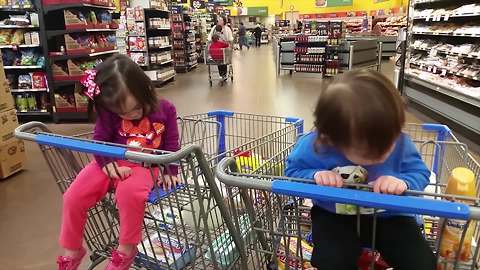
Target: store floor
30	201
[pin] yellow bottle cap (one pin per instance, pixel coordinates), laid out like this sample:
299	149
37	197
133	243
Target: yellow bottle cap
462	182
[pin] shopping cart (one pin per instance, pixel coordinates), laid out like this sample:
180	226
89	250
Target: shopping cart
216	60
274	209
185	228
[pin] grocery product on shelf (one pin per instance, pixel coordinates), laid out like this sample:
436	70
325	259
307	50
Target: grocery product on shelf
184	42
149	43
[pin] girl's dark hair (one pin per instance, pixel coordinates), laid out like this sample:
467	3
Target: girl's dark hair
119	76
360	109
218	28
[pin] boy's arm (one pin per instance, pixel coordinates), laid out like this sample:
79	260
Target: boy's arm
301	162
412	168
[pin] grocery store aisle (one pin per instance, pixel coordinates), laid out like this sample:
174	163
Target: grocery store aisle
30	201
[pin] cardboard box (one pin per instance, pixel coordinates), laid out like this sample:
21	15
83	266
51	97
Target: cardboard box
8	123
6	98
12	158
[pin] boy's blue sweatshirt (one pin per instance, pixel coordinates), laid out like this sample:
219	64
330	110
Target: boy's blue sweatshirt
403	163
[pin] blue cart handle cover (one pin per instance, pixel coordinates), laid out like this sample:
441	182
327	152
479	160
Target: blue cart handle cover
394	203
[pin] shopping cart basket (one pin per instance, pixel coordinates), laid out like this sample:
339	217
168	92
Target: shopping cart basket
216	60
183	228
274	209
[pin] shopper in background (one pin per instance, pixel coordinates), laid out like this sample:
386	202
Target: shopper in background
226	34
371	137
130	113
216	52
242	34
257	32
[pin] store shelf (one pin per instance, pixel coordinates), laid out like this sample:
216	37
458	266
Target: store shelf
65	83
33	113
19	46
52	33
447	52
476	78
71	115
161	47
164	79
159	29
445	34
66	57
439	87
29	90
48	8
16	8
22	67
163	63
17	26
445	17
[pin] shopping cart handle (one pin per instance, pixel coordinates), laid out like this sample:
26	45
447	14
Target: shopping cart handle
400	204
90	147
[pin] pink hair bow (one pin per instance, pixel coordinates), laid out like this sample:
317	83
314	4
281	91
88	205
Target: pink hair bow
88	81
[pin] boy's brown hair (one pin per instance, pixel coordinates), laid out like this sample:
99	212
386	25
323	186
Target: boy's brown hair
361	110
218	28
119	76
215	38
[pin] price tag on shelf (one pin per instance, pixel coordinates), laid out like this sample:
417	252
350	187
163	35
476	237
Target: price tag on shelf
433	52
447	16
422	66
427	18
444	72
434	69
438	17
429	69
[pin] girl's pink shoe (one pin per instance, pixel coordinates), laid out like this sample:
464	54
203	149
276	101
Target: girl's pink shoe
121	261
70	263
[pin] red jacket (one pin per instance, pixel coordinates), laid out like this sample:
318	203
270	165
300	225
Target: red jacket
216	51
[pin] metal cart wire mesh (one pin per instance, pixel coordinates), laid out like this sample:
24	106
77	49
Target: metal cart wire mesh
185	228
216	60
274	211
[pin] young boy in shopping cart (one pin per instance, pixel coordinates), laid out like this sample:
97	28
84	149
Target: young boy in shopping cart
216	53
358	119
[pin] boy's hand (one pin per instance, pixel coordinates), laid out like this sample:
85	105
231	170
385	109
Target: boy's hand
169	181
328	178
389	185
114	171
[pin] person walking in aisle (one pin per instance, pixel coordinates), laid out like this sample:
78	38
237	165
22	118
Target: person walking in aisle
242	34
258	35
226	35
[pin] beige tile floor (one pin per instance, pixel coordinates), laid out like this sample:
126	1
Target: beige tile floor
30	201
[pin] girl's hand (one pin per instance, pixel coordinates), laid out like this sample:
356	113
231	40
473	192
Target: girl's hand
170	181
328	178
114	171
389	185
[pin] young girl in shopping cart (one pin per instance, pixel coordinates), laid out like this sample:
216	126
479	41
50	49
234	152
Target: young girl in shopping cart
128	113
358	119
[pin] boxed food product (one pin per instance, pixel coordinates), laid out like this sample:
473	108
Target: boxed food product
170	253
65	102
292	259
9	122
12	158
81	102
6	99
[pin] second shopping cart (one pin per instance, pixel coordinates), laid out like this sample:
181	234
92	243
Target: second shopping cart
189	227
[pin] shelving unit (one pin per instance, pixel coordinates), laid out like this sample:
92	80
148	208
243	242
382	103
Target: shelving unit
24	61
442	72
149	41
318	51
202	24
184	41
78	37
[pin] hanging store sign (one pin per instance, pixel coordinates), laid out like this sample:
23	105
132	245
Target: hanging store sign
257	11
225	3
333	3
198	4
